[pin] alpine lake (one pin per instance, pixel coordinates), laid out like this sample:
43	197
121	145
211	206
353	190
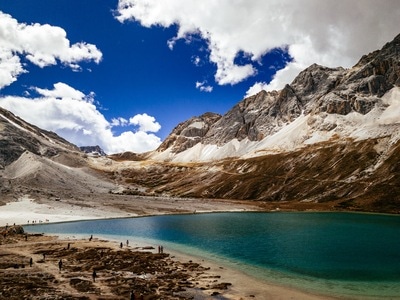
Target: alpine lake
350	255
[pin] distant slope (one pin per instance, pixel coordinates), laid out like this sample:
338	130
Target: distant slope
43	165
18	136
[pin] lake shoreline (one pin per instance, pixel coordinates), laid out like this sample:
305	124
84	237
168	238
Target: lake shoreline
26	211
242	284
216	280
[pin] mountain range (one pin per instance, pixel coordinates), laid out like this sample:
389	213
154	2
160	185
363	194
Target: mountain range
327	141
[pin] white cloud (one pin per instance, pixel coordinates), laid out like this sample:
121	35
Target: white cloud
61	90
42	45
145	122
257	87
330	33
10	67
196	61
203	87
66	111
119	122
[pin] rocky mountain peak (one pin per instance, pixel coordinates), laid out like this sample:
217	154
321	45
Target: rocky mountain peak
189	133
93	150
317	91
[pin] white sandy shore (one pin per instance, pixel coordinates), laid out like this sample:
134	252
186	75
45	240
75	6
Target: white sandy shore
26	211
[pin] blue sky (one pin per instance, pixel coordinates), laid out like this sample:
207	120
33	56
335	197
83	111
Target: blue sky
129	71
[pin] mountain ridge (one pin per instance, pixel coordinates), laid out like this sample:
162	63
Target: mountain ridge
317	92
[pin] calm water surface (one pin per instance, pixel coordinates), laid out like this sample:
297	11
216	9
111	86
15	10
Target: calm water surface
357	255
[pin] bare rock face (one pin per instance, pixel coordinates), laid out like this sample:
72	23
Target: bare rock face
93	150
315	90
189	133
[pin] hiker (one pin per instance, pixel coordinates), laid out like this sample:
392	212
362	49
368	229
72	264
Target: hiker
94	275
60	263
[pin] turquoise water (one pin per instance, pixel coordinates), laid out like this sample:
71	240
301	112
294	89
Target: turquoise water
334	253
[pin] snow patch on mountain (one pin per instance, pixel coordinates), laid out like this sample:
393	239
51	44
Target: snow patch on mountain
304	130
391	115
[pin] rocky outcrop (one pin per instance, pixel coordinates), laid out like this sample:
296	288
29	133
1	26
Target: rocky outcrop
316	90
93	150
189	133
361	87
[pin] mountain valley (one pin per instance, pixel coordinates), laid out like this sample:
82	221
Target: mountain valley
330	140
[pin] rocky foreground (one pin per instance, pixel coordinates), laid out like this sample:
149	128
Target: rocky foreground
96	269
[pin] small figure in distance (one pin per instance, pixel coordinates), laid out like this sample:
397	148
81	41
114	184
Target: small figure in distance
94	275
60	263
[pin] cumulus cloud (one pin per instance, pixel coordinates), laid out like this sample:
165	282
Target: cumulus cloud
66	111
42	45
330	33
145	122
61	90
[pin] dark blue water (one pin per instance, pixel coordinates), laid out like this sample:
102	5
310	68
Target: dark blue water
357	254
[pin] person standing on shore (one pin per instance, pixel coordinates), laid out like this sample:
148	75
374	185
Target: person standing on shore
94	275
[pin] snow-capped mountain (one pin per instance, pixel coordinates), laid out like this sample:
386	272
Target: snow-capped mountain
320	105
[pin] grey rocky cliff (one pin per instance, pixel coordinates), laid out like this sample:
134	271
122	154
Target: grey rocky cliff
187	134
93	150
316	90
